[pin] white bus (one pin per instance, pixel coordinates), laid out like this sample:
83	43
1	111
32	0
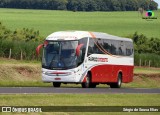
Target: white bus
88	58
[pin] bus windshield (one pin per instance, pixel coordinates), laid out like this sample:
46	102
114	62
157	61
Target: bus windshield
60	55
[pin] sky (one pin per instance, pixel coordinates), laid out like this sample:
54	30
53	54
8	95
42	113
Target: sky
158	1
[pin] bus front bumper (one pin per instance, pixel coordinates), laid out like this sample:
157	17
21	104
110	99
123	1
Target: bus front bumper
63	77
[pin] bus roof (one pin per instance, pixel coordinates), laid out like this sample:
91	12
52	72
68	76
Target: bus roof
76	35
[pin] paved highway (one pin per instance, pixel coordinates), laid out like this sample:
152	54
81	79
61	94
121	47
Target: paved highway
44	90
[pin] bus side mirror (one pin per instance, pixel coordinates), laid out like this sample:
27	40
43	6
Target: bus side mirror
38	49
78	49
40	46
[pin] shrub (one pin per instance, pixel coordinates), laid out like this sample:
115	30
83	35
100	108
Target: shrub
21	42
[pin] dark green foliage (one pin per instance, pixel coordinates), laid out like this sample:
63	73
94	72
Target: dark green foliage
26	35
81	5
17	47
142	44
146	50
21	42
144	59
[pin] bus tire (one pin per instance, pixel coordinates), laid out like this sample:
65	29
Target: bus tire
87	84
118	83
56	84
93	85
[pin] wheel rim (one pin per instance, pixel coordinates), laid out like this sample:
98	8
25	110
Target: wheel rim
87	82
119	81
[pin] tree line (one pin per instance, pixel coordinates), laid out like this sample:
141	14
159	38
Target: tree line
81	5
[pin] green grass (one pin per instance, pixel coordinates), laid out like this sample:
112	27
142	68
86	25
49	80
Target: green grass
14	78
146	70
116	23
81	100
21	62
14	73
48	21
143	82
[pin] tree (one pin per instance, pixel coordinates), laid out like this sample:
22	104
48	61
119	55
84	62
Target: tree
116	5
123	4
72	5
81	5
153	5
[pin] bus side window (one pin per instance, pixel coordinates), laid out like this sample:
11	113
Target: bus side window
128	52
100	46
113	47
107	45
118	48
129	49
120	51
93	47
122	48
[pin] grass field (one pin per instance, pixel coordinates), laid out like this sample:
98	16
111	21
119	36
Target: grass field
81	100
47	21
146	70
20	73
77	100
28	73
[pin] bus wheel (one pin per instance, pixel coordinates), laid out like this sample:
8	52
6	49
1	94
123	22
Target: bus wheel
118	83
56	84
93	85
87	83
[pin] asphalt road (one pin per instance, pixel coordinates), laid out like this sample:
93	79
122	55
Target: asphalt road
43	90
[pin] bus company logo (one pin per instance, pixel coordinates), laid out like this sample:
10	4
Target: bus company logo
149	15
96	59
